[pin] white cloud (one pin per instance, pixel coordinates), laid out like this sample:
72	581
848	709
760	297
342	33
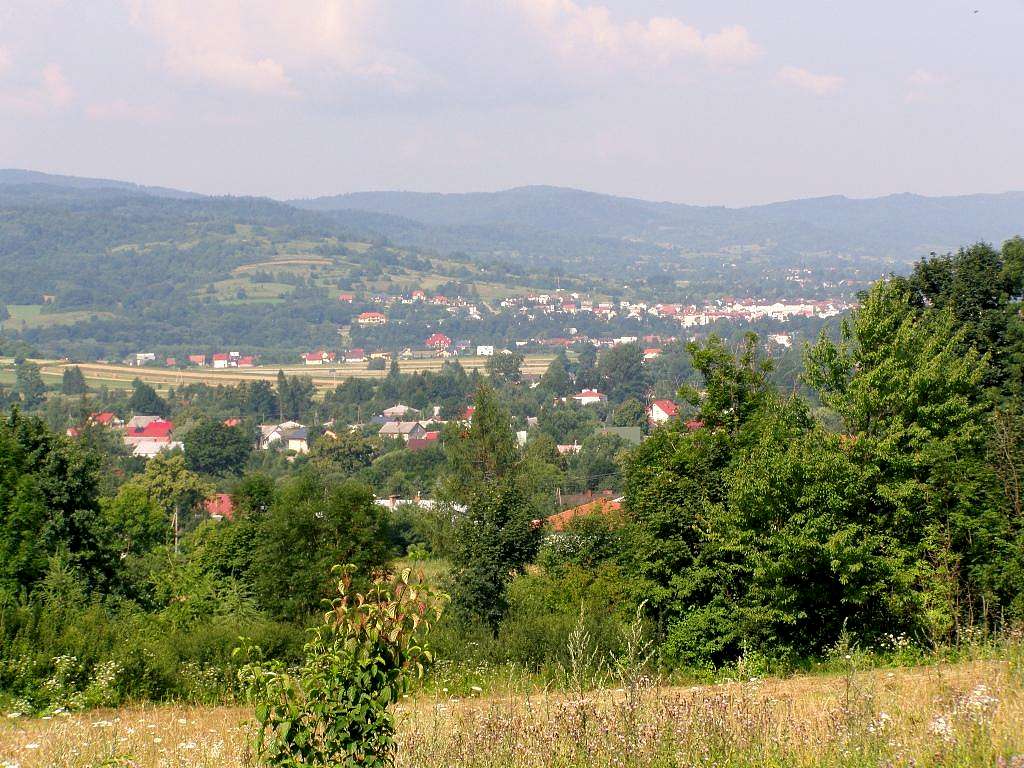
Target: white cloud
265	46
120	110
820	85
924	85
588	32
52	93
5	60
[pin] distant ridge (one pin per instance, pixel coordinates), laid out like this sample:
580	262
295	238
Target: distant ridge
17	176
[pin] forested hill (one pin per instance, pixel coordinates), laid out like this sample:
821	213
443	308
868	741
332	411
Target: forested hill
903	227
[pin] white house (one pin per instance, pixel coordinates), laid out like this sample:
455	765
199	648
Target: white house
485	350
661	411
291	436
590	397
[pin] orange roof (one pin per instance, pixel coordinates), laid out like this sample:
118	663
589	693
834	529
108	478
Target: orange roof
220	504
597	507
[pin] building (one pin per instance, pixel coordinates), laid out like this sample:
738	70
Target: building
220	506
357	355
106	419
438	341
428	440
560	521
661	411
590	397
221	360
289	435
197	359
346	298
318	358
397	412
372	318
406	430
149	435
485	350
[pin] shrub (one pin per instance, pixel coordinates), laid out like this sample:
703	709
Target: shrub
334	710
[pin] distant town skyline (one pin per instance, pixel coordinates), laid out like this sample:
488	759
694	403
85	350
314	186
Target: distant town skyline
732	103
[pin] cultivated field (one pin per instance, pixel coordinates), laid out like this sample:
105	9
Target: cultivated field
324	376
970	714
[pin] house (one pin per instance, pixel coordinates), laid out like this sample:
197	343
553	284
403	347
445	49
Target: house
346	298
397	411
560	521
438	341
652	353
221	360
149	449
429	439
568	450
318	358
232	422
106	419
406	430
692	425
247	361
371	318
661	411
468	415
590	397
197	359
290	435
632	435
485	350
170	362
139	422
357	355
141	358
220	506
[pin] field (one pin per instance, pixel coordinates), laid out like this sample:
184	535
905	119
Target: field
324	376
969	714
23	316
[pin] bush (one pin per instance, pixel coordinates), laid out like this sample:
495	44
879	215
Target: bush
335	708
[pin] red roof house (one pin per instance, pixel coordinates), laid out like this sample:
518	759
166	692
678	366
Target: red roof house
559	521
661	411
220	505
438	341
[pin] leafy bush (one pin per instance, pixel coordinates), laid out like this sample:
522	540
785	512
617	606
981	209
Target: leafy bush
334	710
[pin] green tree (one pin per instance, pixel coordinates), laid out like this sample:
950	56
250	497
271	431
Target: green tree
146	401
29	384
347	454
622	373
177	491
494	540
485	452
556	379
630	413
213	448
505	368
48	505
73	382
137	523
311	525
294	396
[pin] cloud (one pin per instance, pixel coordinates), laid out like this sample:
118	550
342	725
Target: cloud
820	85
923	85
586	33
266	46
122	111
53	92
5	60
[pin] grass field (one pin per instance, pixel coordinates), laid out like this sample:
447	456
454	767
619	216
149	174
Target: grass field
324	377
969	714
23	316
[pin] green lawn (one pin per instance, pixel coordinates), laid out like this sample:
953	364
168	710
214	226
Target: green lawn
32	316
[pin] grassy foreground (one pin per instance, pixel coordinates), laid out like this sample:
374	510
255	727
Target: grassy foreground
969	714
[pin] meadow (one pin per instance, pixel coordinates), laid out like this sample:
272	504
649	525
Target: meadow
965	714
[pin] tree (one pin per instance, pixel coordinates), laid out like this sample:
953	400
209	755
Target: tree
136	521
213	448
596	466
622	373
294	396
178	492
73	382
260	400
145	400
311	525
484	452
630	413
494	540
505	367
556	379
29	384
48	505
346	454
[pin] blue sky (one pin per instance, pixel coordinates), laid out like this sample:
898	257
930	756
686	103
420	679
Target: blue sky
713	103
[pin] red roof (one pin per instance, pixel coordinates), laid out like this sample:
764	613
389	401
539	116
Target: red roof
158	428
671	409
103	417
438	340
598	507
468	415
436	435
694	424
220	504
232	422
371	315
221	356
346	297
246	361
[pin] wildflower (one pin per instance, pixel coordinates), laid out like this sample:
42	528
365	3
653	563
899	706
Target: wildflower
32	745
941	727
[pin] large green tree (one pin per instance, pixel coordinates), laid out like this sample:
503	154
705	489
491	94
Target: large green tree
213	448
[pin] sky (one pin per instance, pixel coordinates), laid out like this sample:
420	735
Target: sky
732	102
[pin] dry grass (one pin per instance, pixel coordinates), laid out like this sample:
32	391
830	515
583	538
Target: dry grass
970	714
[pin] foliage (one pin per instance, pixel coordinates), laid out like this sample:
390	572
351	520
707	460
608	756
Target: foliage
213	448
622	373
73	381
29	384
146	401
336	709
